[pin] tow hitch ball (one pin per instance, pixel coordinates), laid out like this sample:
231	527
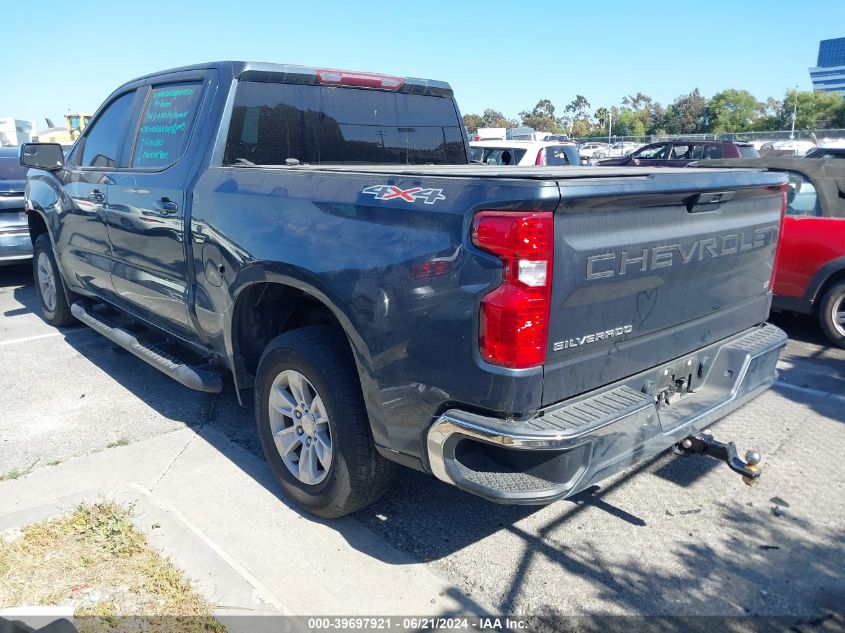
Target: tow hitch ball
706	444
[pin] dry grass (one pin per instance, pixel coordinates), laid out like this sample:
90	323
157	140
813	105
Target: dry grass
97	562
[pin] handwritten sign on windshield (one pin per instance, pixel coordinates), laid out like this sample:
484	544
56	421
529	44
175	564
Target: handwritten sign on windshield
165	124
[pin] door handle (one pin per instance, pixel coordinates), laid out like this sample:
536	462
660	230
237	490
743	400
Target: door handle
97	196
709	201
166	205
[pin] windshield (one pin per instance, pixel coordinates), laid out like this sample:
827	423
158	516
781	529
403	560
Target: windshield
273	122
821	152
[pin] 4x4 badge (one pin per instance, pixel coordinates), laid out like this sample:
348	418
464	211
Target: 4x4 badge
389	192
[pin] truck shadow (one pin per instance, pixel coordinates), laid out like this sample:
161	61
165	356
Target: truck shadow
19	277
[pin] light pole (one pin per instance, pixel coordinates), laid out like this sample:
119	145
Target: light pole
794	115
609	124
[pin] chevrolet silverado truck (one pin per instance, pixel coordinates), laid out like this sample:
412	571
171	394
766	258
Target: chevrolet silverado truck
322	237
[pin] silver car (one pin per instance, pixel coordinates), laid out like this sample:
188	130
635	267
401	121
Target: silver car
15	245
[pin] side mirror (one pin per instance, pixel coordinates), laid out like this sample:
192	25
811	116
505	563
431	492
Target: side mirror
49	156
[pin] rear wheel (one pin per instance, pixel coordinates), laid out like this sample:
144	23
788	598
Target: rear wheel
313	424
832	314
48	284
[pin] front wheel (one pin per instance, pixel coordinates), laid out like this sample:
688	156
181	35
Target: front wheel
48	284
313	424
832	314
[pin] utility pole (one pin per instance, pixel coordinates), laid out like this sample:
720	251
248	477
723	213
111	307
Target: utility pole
794	115
609	124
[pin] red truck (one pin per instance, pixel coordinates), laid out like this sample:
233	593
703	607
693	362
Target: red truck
810	270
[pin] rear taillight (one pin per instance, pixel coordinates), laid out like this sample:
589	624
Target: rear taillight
514	325
358	80
784	201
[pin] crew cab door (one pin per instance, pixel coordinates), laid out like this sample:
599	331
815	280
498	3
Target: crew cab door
82	244
147	205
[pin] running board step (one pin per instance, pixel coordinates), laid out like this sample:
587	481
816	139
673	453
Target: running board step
191	376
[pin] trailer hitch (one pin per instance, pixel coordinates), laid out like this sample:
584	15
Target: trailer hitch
706	444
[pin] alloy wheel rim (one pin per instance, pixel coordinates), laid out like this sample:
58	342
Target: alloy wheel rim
46	282
838	314
300	427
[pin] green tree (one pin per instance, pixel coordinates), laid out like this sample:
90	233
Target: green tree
732	111
686	114
494	118
839	116
816	110
601	115
472	122
542	117
771	116
579	107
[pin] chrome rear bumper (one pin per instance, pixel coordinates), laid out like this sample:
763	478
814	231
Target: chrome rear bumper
576	443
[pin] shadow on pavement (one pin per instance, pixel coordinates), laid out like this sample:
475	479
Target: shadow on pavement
811	367
16	275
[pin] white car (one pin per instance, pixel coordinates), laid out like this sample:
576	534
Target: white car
621	149
594	150
524	153
786	148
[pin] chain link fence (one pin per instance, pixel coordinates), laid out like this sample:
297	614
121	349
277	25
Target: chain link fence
782	135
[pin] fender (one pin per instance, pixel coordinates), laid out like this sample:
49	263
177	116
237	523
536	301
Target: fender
283	274
820	278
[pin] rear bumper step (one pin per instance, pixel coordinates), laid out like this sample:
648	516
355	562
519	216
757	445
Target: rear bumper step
191	376
577	443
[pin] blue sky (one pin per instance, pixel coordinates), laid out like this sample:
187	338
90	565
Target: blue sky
495	54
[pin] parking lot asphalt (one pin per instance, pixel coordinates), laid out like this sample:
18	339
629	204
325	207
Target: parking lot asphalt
676	535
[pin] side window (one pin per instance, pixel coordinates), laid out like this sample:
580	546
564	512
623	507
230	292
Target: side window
680	151
103	145
698	152
650	153
801	196
556	156
714	151
166	121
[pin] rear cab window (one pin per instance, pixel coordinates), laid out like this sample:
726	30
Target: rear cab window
166	121
502	155
317	124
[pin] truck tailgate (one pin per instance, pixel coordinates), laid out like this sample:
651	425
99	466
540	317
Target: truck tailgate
651	268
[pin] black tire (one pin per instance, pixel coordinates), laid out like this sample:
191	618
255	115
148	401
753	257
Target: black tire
358	474
833	303
59	315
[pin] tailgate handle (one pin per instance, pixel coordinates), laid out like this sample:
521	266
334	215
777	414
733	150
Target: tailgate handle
709	201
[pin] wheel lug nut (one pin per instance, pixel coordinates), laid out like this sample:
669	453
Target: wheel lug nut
298	414
299	430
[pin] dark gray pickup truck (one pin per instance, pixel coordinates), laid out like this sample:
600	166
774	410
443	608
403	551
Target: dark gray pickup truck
322	237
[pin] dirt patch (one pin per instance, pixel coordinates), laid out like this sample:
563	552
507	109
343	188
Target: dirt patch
95	561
